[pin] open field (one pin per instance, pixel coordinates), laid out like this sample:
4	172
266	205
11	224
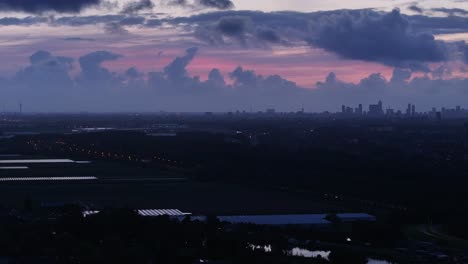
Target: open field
128	185
187	196
100	169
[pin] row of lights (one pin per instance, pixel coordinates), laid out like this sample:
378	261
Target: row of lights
83	178
75	147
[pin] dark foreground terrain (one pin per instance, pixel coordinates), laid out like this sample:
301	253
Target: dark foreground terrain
410	174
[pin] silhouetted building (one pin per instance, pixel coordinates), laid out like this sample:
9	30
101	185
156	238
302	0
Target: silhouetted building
359	109
376	109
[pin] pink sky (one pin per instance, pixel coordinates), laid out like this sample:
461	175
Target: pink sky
305	69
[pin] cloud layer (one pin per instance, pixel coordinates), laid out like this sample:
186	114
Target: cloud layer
138	6
386	38
427	69
390	38
40	6
47	84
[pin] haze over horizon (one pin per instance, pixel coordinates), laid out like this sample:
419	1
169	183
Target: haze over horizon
227	55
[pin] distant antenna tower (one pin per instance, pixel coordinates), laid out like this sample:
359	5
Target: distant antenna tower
20	107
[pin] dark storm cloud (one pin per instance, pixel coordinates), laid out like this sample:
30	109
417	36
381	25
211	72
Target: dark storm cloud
138	6
387	39
451	11
390	38
153	22
275	20
234	26
218	4
40	6
176	2
113	22
30	20
268	35
241	28
439	25
133	20
416	9
77	21
294	23
201	4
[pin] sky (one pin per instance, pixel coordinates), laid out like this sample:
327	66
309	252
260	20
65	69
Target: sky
227	55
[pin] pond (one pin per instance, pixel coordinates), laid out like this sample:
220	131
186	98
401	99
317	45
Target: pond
301	252
377	261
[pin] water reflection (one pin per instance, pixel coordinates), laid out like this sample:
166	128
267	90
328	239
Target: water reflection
300	252
376	261
266	248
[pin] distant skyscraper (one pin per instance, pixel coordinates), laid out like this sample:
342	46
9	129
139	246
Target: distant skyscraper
376	110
